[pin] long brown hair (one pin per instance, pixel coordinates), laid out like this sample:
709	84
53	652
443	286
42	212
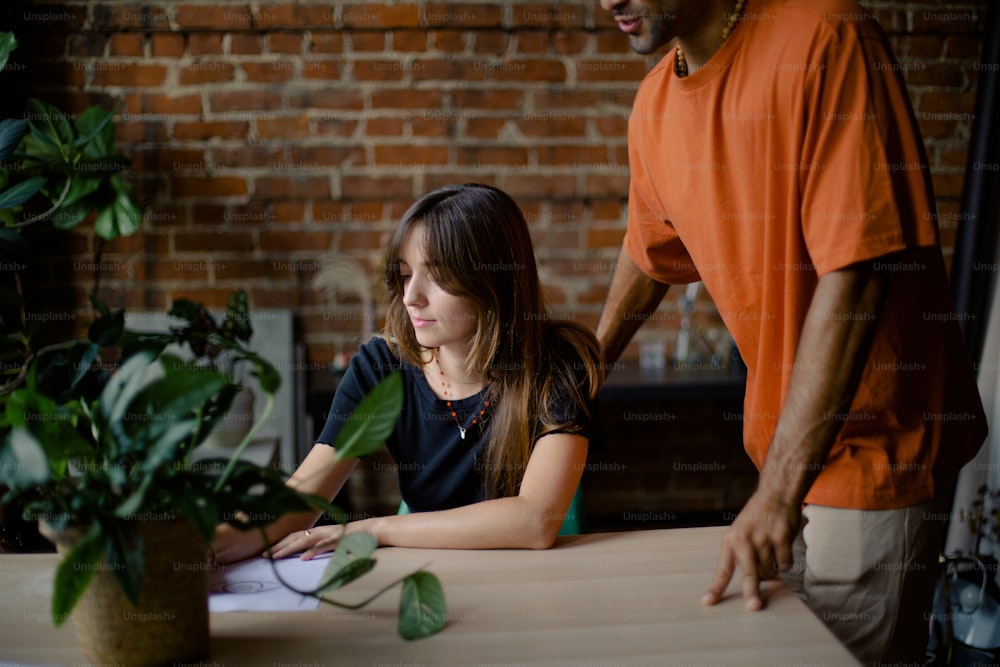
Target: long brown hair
477	246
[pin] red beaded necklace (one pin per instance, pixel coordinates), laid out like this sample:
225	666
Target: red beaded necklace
446	391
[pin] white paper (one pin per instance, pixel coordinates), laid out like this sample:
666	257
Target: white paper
251	585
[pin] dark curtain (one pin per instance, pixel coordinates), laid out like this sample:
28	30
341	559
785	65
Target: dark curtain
975	260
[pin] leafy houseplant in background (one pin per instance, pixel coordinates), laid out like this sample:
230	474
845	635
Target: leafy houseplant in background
99	453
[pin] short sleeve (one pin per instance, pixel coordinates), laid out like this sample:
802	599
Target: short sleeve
650	240
361	376
864	178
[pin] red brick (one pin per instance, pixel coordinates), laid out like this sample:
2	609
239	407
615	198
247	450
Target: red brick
228	241
169	160
291	15
461	14
143	131
574	156
378	70
275	71
260	100
409	41
325	42
932	74
376	187
126	44
322	70
533	42
85	45
320	157
289	211
490	156
605	238
612	126
490	42
610	70
534	186
328	98
329	211
545	15
205	130
493	99
291	187
253	155
129	74
160	103
481	128
552	124
604	210
208	215
175	270
924	46
431	127
406	99
946	20
606	185
378	16
213	17
945	102
571	43
206	71
449	41
246	44
167	45
205	44
612	41
967	47
367	42
408	155
211	297
391	126
110	18
285	42
295	127
449	69
250	269
361	240
335	127
212	186
290	241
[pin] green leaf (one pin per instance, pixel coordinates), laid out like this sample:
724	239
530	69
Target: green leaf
122	388
23	463
422	609
128	217
82	185
69	216
51	125
107	329
104	224
90	125
21	192
11	132
75	573
7	45
350	560
372	420
123	552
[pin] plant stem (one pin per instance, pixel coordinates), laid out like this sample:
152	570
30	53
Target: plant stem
268	408
55	207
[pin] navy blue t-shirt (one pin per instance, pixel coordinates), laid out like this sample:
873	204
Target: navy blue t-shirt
437	469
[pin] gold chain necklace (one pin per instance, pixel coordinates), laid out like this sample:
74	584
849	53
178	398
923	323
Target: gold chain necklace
680	64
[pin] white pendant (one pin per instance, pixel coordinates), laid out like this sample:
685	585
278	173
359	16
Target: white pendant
461	432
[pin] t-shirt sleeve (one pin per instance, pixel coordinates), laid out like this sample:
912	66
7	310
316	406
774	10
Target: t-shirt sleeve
650	240
864	178
361	376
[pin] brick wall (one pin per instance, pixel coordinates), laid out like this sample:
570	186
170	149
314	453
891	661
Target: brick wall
266	134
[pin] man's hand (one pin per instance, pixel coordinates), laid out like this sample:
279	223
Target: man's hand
759	542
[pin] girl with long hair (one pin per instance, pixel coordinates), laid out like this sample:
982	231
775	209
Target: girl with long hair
492	440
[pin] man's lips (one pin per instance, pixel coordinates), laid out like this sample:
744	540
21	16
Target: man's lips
627	24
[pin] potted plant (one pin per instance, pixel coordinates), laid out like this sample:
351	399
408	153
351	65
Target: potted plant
99	453
218	346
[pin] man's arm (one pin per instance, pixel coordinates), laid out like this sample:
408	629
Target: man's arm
632	296
832	351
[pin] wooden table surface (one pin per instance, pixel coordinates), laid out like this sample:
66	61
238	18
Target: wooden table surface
602	600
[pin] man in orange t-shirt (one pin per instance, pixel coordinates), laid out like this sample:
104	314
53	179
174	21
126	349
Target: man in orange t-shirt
774	156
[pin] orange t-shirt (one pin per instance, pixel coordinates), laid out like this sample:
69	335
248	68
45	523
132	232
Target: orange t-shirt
794	152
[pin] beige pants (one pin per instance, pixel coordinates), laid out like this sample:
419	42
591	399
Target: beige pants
869	576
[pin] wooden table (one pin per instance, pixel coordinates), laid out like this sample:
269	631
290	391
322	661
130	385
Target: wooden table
602	600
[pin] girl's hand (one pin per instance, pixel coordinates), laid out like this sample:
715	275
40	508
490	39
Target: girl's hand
311	542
